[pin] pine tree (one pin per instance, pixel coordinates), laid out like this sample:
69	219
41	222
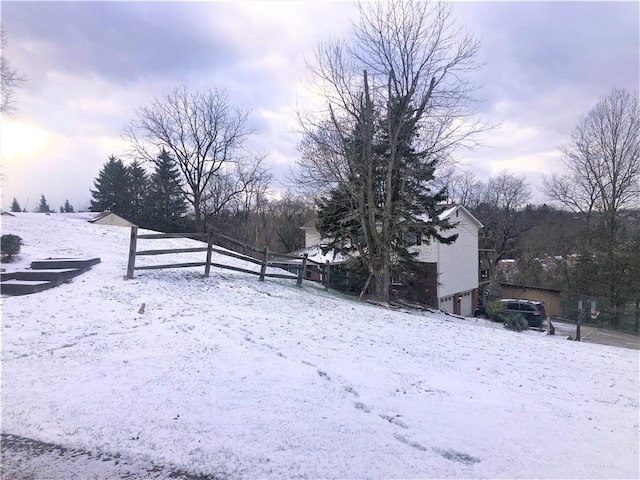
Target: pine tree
165	201
67	207
15	206
112	191
43	206
387	201
138	186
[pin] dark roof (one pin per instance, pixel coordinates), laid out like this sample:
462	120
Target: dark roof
529	287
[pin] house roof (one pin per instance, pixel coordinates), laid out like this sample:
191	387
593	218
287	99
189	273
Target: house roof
315	254
310	224
529	287
451	209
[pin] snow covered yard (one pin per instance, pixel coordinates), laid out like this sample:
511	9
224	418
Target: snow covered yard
238	378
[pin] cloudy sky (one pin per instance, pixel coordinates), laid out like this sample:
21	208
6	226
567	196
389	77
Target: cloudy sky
90	64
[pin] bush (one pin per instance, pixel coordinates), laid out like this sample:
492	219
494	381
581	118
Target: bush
495	308
514	321
10	246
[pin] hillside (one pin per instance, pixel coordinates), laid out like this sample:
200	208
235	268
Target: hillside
237	378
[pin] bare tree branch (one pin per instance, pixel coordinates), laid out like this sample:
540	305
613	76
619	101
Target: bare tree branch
10	79
203	131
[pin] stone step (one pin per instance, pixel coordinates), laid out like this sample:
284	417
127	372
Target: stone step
7	276
24	287
57	275
57	263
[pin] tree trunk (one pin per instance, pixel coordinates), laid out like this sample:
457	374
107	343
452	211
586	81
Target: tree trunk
381	276
197	211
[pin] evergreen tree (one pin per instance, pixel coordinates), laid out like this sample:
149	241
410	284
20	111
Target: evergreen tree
15	206
43	206
112	189
166	205
67	207
138	185
387	201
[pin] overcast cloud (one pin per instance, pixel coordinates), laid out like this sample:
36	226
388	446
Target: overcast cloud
90	64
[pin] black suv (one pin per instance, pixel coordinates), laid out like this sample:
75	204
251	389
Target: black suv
532	311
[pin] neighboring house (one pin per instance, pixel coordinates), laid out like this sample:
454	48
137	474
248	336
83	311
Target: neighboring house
446	276
311	235
110	218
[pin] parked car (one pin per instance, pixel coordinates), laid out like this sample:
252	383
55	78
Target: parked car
532	311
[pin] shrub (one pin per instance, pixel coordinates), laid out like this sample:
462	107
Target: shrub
514	321
10	246
495	308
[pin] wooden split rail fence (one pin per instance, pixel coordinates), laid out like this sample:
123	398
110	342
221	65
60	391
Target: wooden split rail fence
263	257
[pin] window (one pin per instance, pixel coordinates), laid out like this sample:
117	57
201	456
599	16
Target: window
412	238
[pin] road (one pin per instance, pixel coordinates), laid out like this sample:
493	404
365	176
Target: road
602	336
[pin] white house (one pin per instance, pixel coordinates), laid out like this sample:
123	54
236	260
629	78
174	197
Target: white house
457	264
447	276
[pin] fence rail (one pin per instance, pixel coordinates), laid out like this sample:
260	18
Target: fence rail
295	265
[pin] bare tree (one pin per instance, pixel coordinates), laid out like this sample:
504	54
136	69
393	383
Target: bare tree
397	102
499	206
602	161
461	185
601	182
236	196
203	131
288	215
237	187
10	79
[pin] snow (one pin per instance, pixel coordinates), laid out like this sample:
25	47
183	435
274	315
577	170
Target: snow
314	253
238	378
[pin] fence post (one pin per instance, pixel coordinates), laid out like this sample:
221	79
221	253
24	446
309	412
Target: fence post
207	267
132	252
263	268
327	269
302	270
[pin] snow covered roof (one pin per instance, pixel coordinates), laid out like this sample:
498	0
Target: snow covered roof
451	209
315	254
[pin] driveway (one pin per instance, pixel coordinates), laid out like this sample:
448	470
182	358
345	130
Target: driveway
602	336
27	459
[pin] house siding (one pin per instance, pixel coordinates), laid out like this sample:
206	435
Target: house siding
458	262
311	237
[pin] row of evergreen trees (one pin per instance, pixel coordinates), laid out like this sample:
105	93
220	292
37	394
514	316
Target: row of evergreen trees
43	206
154	201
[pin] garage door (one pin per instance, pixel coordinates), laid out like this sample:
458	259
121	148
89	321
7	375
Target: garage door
466	307
446	304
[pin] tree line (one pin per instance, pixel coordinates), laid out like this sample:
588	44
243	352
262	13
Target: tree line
43	206
235	203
